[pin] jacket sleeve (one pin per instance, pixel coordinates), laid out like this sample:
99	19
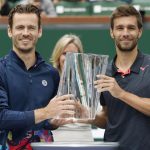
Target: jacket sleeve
10	119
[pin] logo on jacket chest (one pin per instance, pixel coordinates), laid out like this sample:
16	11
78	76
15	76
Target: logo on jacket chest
44	83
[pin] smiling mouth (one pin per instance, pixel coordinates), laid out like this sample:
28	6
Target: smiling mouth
26	41
126	41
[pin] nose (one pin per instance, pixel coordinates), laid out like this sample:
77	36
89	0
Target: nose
25	32
126	32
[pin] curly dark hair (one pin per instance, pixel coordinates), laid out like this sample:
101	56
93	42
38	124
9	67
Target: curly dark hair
29	8
126	10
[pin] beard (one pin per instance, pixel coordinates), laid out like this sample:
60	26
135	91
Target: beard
25	51
126	48
24	48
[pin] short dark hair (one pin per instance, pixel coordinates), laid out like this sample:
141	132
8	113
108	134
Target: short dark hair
125	11
29	8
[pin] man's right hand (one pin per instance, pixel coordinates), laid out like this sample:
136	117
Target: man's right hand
59	107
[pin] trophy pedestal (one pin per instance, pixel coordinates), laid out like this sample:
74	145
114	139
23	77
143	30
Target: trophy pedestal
75	146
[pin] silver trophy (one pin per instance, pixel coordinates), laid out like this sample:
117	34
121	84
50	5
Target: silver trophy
78	78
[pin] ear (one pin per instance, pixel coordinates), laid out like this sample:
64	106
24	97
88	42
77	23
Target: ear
40	32
140	32
111	34
9	32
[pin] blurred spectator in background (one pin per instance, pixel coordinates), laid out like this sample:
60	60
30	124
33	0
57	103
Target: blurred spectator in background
46	6
4	8
127	1
75	0
55	1
101	0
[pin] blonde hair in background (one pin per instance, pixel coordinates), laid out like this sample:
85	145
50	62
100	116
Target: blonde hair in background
1	3
60	46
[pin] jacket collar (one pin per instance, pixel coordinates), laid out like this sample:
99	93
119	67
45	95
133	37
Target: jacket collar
135	66
15	59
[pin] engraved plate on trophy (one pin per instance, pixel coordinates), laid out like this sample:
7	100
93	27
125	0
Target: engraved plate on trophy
78	78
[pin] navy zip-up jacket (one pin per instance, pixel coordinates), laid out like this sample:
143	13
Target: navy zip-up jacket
22	91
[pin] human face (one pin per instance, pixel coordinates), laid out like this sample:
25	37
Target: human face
24	32
69	48
126	33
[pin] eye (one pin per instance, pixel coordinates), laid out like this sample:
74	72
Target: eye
119	28
31	27
64	53
132	28
19	27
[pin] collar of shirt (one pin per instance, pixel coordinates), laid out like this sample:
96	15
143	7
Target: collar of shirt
124	73
134	68
14	58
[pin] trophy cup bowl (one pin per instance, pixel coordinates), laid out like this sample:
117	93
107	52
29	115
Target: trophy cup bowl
77	78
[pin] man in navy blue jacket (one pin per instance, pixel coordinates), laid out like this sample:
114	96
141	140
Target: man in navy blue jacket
28	84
